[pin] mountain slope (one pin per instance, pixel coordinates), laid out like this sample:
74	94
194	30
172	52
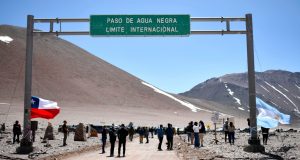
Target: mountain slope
279	88
81	83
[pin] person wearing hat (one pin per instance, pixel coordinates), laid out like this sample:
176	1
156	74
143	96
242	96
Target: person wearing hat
122	134
65	131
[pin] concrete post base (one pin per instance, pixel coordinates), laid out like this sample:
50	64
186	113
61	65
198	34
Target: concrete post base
254	146
25	147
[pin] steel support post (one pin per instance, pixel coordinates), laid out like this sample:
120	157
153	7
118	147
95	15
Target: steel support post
254	142
26	144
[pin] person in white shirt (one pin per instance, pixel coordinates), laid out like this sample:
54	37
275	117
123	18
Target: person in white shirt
196	135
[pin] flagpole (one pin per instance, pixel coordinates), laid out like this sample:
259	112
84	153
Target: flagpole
26	144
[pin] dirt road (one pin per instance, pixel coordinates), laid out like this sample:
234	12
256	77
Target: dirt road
134	151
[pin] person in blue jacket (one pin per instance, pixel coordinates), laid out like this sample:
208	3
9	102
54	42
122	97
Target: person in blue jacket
160	135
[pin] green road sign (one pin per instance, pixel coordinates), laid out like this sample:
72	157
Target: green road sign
139	25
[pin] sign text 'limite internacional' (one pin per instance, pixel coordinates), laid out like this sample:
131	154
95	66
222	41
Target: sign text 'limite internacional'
139	25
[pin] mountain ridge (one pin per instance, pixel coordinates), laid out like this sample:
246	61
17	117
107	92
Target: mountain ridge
277	87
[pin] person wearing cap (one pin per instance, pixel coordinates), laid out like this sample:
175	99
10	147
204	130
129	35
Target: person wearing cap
122	134
65	131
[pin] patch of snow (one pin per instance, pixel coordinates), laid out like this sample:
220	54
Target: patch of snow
297	86
240	108
274	103
283	88
6	39
282	94
264	88
230	92
297	112
238	101
248	110
184	103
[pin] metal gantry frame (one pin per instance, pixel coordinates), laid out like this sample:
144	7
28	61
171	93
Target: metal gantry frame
250	58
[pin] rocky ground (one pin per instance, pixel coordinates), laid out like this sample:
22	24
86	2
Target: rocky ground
51	150
281	145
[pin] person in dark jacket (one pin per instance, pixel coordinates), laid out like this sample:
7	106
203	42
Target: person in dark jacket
104	137
131	133
225	129
16	132
141	134
65	131
151	130
202	131
160	135
170	134
147	134
112	140
265	134
122	134
190	132
3	127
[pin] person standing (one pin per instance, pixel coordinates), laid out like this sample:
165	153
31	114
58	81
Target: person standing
225	129
112	140
248	122
122	134
131	133
147	134
231	129
65	131
160	136
151	130
265	134
202	131
104	137
170	134
196	134
3	127
16	132
190	132
141	134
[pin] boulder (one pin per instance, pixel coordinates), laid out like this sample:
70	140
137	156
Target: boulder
94	132
80	134
49	133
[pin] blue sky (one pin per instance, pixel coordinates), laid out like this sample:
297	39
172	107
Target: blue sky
176	64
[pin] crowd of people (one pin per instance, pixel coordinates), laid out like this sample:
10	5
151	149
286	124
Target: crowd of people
195	134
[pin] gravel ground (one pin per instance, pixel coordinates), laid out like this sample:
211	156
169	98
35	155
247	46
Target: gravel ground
283	145
42	151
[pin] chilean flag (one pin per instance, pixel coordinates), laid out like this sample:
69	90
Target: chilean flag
42	108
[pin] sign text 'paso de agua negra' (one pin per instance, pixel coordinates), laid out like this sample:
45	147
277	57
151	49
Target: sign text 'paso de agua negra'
139	25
